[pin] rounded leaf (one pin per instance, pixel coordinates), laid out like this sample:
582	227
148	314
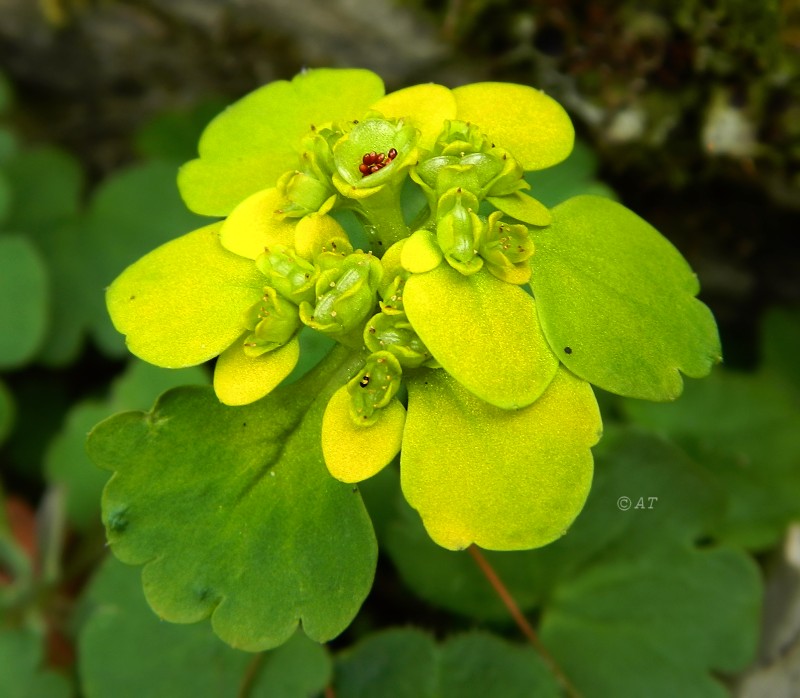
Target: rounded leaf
483	331
240	379
425	106
525	121
502	479
182	304
354	452
617	301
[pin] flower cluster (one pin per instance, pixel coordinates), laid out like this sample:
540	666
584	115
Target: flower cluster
434	290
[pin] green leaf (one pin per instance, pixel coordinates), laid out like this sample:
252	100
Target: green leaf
475	665
234	515
125	650
23	301
532	126
658	614
522	207
743	429
505	480
630	589
66	462
572	177
254	141
616	301
21	671
46	193
182	304
400	663
484	332
406	663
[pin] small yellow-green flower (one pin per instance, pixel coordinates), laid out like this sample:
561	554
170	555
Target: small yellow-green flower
478	316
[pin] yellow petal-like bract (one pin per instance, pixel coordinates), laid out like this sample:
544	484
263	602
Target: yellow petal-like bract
502	479
182	303
353	452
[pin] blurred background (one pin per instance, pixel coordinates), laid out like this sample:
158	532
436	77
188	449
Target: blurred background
689	111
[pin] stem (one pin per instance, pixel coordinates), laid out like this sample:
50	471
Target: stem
385	224
521	620
250	675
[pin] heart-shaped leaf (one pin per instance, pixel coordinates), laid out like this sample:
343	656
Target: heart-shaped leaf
617	301
234	514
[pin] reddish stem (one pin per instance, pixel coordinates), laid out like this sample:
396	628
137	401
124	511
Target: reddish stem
521	620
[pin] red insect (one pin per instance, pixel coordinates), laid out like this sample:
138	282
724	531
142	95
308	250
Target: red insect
372	162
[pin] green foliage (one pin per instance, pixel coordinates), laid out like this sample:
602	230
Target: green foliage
409	664
6	412
128	652
224	495
616	301
264	563
66	462
630	589
743	429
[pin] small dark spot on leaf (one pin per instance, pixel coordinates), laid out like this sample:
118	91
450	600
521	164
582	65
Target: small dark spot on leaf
244	424
133	298
567	350
355	488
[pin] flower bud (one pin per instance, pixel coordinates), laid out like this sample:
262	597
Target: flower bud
288	273
374	387
305	194
458	230
273	321
345	293
393	333
506	249
460	138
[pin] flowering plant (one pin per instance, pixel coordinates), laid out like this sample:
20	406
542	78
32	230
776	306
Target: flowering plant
467	321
